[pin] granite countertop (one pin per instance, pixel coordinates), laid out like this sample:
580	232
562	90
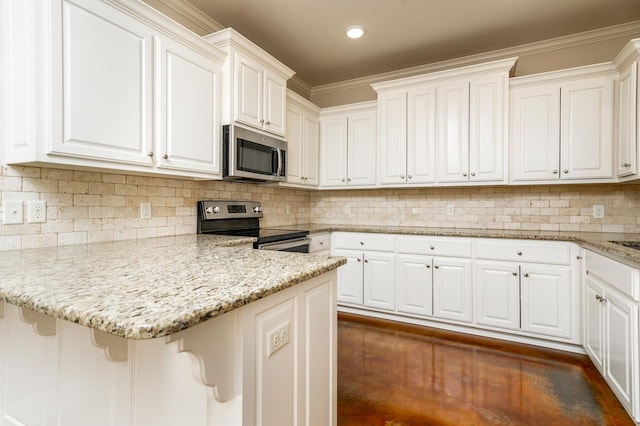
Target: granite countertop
154	287
592	240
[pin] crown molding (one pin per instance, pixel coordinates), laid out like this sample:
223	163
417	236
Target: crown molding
193	15
564	75
299	86
587	37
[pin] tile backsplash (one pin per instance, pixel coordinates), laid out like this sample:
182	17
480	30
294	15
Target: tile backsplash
540	207
95	206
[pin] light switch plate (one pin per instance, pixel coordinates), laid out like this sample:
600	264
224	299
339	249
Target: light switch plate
12	212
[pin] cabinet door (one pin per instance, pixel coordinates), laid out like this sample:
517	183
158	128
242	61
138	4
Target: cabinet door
535	137
594	323
392	143
107	85
421	135
497	294
248	91
361	148
379	280
453	131
621	355
587	128
295	136
414	285
333	151
350	277
452	289
310	159
626	163
190	97
275	103
546	300
486	128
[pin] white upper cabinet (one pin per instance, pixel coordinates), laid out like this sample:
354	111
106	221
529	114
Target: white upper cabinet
347	145
406	148
562	125
121	88
255	84
460	114
627	111
303	133
190	134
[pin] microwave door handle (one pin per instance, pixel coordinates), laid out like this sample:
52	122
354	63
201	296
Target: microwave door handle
279	151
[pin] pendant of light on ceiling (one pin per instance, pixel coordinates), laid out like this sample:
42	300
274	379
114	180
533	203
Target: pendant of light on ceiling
354	31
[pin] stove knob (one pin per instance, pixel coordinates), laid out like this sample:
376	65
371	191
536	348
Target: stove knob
213	210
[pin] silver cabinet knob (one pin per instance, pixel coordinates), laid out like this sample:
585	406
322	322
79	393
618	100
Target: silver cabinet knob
464	174
555	172
432	247
526	275
268	122
428	266
359	260
410	177
150	154
519	253
437	267
565	171
515	274
579	257
321	243
626	165
361	243
343	180
348	179
166	157
261	121
401	176
473	173
366	261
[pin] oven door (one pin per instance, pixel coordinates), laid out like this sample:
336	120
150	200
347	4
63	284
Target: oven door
298	245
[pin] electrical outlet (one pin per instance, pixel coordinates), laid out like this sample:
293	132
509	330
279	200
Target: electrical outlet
12	212
450	210
598	212
36	211
278	338
145	210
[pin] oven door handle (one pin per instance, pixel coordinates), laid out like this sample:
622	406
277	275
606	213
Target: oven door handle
283	245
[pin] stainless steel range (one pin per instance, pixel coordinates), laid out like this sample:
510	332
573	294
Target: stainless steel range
242	218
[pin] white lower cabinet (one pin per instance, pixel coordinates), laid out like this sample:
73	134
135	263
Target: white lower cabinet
611	326
497	295
414	282
452	289
350	277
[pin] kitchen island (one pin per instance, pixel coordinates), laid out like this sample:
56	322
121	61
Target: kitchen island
177	330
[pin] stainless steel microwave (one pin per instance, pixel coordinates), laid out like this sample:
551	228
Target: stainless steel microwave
249	155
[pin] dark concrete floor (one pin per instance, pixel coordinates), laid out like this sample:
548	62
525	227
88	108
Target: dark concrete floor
393	374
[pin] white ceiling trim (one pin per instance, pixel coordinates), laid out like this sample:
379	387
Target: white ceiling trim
558	43
193	14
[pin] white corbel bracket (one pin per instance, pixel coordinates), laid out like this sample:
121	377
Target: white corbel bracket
44	325
212	348
116	348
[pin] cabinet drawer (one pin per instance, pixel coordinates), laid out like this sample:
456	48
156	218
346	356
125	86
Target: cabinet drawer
434	246
524	251
618	275
357	241
319	242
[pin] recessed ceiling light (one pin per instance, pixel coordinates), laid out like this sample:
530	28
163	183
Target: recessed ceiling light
354	31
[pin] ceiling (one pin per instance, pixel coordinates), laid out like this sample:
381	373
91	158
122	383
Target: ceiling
307	35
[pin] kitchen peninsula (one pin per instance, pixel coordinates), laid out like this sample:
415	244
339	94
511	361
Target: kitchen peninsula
96	334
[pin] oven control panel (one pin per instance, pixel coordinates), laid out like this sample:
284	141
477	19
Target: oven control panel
227	209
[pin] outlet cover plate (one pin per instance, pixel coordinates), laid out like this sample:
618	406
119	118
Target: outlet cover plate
36	211
598	212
